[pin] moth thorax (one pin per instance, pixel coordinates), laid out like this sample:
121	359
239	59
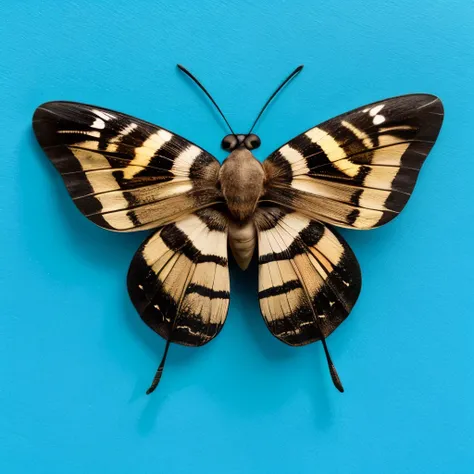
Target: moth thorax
241	178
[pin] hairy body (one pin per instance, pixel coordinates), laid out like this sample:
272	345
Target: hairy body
241	179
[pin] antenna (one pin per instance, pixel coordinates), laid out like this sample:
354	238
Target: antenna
182	68
279	88
156	379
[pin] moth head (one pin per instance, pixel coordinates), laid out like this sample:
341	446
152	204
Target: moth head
249	141
231	142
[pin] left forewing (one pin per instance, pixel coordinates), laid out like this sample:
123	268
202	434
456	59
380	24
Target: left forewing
309	279
123	173
359	169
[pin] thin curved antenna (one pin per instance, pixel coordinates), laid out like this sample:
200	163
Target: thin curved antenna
182	68
280	87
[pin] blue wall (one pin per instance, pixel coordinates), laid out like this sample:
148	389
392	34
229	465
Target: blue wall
75	359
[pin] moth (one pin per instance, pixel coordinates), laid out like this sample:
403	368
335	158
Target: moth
356	171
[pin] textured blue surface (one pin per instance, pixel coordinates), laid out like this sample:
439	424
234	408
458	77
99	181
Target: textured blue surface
75	359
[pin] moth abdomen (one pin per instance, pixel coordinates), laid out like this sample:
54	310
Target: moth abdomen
242	242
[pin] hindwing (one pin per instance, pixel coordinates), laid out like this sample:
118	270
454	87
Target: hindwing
309	279
179	278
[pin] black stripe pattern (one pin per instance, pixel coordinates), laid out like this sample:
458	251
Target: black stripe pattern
179	279
309	279
358	169
123	173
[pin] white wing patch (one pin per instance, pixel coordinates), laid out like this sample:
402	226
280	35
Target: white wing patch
296	160
184	160
374	112
208	242
98	123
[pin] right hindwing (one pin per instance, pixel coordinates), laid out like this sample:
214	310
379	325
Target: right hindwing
122	173
309	278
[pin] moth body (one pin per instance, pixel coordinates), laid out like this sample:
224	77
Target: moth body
241	178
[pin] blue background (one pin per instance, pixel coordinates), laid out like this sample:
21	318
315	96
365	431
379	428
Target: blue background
75	359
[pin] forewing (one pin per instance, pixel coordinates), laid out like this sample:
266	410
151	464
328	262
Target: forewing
359	169
122	173
309	279
179	279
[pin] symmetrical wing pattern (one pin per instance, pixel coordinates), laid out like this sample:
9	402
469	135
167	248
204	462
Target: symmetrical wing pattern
309	279
125	174
179	278
358	169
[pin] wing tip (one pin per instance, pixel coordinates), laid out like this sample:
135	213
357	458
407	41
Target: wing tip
46	107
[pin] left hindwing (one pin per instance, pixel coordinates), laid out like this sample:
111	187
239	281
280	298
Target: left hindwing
358	169
179	278
122	173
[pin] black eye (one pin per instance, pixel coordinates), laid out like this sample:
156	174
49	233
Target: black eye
252	141
229	142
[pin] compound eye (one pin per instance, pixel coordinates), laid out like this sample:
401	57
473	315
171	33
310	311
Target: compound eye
229	142
252	141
